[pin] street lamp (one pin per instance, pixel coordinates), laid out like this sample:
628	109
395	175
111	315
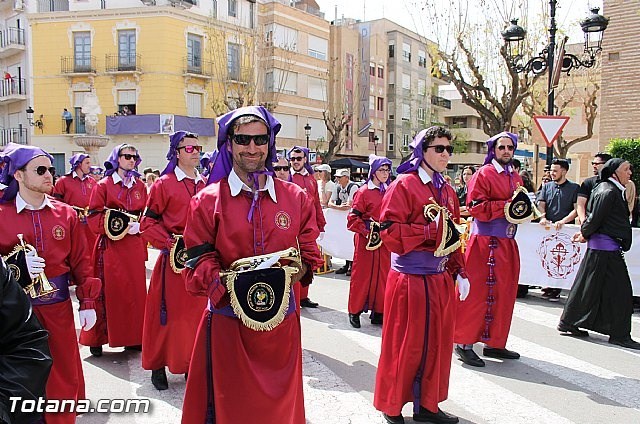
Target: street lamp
376	141
307	132
593	27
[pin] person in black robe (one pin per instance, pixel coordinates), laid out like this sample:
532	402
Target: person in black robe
601	296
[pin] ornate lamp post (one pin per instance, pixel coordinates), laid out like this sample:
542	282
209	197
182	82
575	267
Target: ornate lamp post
307	132
376	141
593	27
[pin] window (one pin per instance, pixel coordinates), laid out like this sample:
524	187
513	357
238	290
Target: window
406	81
317	89
392	110
78	116
289	125
405	142
372	102
380	72
280	81
252	12
233	61
281	36
232	8
194	105
380	106
406	52
194	53
421	114
214	9
127	102
422	87
406	112
372	69
392	46
127	50
422	59
391	143
82	51
318	47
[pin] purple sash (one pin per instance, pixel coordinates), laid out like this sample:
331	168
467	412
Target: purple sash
419	263
227	311
499	227
604	242
61	282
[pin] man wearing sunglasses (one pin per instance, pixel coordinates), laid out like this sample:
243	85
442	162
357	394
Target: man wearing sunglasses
171	315
587	186
53	229
302	175
244	212
281	168
120	264
492	257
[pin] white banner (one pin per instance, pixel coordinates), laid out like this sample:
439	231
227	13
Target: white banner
337	241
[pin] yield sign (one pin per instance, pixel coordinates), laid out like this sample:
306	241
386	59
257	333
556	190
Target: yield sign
550	127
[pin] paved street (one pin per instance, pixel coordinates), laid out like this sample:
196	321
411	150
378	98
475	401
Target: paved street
558	380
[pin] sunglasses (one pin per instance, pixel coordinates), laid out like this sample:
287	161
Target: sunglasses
280	168
129	156
295	158
245	139
439	148
42	169
509	148
96	172
597	163
189	148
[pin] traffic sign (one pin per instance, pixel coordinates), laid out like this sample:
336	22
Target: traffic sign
550	127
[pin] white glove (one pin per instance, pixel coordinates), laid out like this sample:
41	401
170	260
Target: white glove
269	262
463	287
87	319
134	228
321	236
437	220
35	264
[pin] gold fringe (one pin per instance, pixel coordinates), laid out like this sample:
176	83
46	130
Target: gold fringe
107	231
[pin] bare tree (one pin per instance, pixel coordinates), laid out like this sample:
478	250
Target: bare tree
338	113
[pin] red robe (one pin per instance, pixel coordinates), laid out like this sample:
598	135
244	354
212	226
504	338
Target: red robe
309	184
57	236
414	301
370	267
493	190
171	344
257	375
76	192
121	266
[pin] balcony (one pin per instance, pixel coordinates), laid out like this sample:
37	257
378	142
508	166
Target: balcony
441	102
11	42
197	67
13	90
81	65
151	124
123	63
13	135
53	6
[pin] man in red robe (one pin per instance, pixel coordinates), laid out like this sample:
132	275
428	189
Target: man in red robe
417	333
75	189
120	264
302	175
370	267
53	229
492	258
171	315
237	374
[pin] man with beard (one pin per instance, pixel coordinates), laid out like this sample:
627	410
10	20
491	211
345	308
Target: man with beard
302	175
589	184
119	263
601	296
53	229
281	168
238	374
171	315
417	333
492	258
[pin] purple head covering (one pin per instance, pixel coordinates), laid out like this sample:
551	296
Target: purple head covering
224	162
418	157
172	154
491	144
16	156
206	159
96	168
375	162
304	150
76	160
111	164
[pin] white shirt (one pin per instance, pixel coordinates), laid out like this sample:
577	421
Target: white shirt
301	172
21	204
74	174
498	167
116	179
424	177
620	186
180	175
236	185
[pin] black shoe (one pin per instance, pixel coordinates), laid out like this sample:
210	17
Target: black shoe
440	417
135	348
348	273
354	320
500	353
342	270
393	419
307	303
571	330
159	379
376	318
96	351
627	342
186	376
469	357
522	291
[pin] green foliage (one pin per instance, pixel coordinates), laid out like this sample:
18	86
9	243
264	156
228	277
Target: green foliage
460	141
629	150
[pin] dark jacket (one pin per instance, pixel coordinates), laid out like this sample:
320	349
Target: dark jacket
608	213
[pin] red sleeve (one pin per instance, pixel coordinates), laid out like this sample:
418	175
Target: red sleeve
479	196
58	189
152	229
403	236
313	192
308	236
88	287
96	207
355	221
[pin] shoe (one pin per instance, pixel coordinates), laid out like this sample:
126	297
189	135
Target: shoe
342	270
376	318
469	357
393	419
96	351
554	295
627	342
522	291
500	353
135	348
348	273
159	379
571	330
354	320
186	376
307	303
440	417
546	292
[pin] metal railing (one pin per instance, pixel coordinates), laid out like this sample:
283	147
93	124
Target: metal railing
13	135
11	36
441	101
12	87
78	64
118	62
198	66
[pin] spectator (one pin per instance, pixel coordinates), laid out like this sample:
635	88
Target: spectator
461	192
588	185
281	168
149	180
516	165
341	199
68	119
325	185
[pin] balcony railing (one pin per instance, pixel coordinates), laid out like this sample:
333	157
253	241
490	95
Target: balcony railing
53	6
11	36
13	87
441	101
78	64
118	62
198	66
13	135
